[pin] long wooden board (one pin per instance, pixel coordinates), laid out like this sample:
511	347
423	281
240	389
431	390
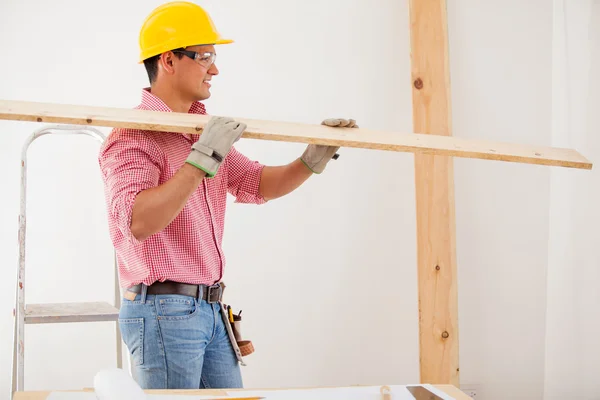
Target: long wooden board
295	132
434	189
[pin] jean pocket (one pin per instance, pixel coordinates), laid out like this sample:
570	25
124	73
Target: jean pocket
132	331
175	308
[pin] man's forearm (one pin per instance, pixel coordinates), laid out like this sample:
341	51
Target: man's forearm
155	208
277	181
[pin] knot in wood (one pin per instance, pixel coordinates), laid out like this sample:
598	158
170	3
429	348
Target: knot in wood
445	335
418	83
437	267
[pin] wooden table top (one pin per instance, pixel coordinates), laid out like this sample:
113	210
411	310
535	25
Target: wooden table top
42	395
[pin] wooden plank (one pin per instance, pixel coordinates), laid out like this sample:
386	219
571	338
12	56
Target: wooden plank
297	132
434	185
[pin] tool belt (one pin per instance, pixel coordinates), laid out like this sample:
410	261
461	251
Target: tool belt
242	347
211	294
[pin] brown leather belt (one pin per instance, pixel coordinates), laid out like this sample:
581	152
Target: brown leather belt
212	294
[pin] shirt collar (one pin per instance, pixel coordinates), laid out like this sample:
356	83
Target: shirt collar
154	103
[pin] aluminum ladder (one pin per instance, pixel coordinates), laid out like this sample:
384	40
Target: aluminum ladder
53	312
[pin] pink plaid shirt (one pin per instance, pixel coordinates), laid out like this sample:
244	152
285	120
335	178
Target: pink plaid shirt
189	249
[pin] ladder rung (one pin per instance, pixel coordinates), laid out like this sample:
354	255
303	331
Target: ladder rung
70	312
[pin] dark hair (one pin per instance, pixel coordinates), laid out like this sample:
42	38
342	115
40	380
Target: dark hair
151	65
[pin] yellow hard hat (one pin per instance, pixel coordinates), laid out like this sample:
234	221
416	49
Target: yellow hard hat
174	25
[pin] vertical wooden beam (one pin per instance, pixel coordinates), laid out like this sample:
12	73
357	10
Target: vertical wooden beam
434	185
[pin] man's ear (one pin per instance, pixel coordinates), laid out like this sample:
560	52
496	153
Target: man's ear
165	62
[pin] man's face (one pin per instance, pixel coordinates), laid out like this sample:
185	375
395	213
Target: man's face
192	77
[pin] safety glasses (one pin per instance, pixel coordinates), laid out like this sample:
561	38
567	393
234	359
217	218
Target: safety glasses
206	59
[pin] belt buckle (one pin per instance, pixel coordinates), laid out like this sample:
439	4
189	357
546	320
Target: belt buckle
213	294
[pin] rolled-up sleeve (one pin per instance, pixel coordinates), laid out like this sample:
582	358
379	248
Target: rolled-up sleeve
243	178
130	162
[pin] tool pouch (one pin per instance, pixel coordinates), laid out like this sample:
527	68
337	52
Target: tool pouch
241	347
246	346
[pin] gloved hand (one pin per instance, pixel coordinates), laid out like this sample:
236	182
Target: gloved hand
216	140
316	156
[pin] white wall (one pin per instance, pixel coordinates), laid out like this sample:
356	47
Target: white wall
501	54
572	323
319	251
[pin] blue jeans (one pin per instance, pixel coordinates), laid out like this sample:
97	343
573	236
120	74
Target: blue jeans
178	342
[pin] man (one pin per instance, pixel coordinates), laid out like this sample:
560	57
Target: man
166	196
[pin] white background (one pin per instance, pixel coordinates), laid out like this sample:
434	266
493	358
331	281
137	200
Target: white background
326	277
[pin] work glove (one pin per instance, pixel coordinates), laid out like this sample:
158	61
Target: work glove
316	156
216	140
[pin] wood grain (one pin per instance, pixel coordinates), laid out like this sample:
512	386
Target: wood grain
434	186
297	132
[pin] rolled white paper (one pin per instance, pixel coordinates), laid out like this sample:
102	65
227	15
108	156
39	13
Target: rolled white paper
116	384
